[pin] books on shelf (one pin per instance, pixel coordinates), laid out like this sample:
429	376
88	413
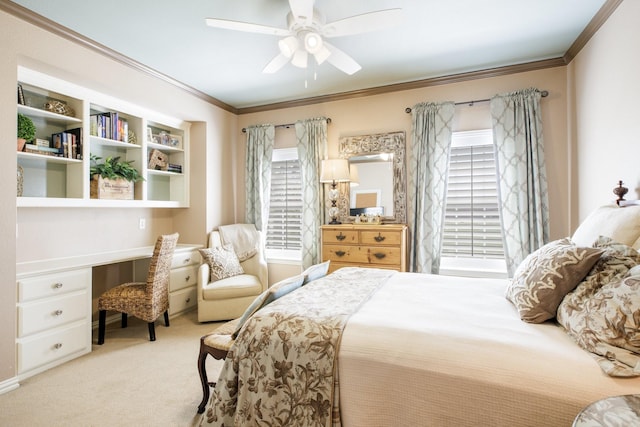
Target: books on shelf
174	168
109	126
68	143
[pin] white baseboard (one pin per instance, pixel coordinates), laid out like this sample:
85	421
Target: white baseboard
8	385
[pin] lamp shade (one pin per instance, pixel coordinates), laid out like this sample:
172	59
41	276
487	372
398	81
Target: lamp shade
334	170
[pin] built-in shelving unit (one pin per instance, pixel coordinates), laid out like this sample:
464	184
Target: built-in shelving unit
134	134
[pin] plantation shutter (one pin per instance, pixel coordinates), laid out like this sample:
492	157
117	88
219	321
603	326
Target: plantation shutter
472	225
284	229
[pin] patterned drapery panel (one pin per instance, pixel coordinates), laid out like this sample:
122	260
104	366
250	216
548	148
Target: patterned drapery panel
522	177
260	141
428	156
311	135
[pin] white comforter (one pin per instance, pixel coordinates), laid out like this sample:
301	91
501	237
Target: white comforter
448	351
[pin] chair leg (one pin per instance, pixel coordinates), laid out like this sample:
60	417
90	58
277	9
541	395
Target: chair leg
202	357
102	319
166	318
152	331
123	322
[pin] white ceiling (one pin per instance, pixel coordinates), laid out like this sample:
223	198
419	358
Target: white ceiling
436	38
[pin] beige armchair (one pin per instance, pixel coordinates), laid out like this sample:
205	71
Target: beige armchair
228	298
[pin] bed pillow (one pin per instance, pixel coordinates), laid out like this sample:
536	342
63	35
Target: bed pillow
223	262
316	272
620	224
609	327
276	291
546	276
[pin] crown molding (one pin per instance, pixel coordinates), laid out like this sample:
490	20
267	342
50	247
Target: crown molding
592	27
415	84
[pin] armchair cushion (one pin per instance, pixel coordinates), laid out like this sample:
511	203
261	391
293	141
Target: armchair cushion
242	285
223	262
273	293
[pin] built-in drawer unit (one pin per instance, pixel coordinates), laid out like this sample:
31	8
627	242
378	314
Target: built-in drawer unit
183	278
377	246
54	319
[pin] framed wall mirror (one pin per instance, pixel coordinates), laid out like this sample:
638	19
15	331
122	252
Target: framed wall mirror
381	183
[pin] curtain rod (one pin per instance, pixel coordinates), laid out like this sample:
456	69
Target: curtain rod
543	93
286	125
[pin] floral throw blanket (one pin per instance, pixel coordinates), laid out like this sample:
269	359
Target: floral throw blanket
283	368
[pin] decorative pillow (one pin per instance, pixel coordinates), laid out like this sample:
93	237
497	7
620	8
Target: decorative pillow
545	276
223	262
315	272
609	327
614	264
620	224
276	291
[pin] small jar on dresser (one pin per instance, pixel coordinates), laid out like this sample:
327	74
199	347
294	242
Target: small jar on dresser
366	245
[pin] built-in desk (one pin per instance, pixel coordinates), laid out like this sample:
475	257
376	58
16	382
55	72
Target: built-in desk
54	301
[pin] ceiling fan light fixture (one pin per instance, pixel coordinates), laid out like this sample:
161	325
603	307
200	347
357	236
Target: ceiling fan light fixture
312	42
288	46
300	58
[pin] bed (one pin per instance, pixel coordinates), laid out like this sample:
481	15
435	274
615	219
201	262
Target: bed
368	347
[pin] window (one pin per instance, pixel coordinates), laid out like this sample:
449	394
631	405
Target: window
284	229
472	229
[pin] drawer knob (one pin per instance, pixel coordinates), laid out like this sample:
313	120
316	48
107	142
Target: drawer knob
379	255
341	253
57	313
188	300
187	261
57	346
57	285
379	238
186	279
341	237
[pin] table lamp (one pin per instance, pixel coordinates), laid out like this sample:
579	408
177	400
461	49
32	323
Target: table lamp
334	171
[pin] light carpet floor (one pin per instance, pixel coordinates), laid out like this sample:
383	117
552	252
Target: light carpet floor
128	381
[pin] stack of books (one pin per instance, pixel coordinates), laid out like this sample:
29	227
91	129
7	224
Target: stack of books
109	126
63	144
174	168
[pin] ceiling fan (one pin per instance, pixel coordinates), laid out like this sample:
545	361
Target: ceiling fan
306	31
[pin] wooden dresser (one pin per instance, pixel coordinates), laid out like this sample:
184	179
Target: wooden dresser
357	245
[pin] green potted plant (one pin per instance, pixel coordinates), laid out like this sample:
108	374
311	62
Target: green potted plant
26	130
112	178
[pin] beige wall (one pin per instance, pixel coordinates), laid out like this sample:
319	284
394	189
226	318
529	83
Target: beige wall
606	133
36	233
386	113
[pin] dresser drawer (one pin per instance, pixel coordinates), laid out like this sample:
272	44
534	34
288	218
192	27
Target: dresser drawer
182	300
48	285
339	253
382	255
183	277
51	312
331	235
46	348
391	238
182	259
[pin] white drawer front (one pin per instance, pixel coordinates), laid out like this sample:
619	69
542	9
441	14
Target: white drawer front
182	300
49	313
182	259
181	278
36	351
47	285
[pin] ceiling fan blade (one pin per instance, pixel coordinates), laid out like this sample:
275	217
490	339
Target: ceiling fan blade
302	10
275	64
366	22
246	26
341	60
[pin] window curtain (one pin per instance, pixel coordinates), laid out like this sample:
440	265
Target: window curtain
311	136
522	177
260	141
428	156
